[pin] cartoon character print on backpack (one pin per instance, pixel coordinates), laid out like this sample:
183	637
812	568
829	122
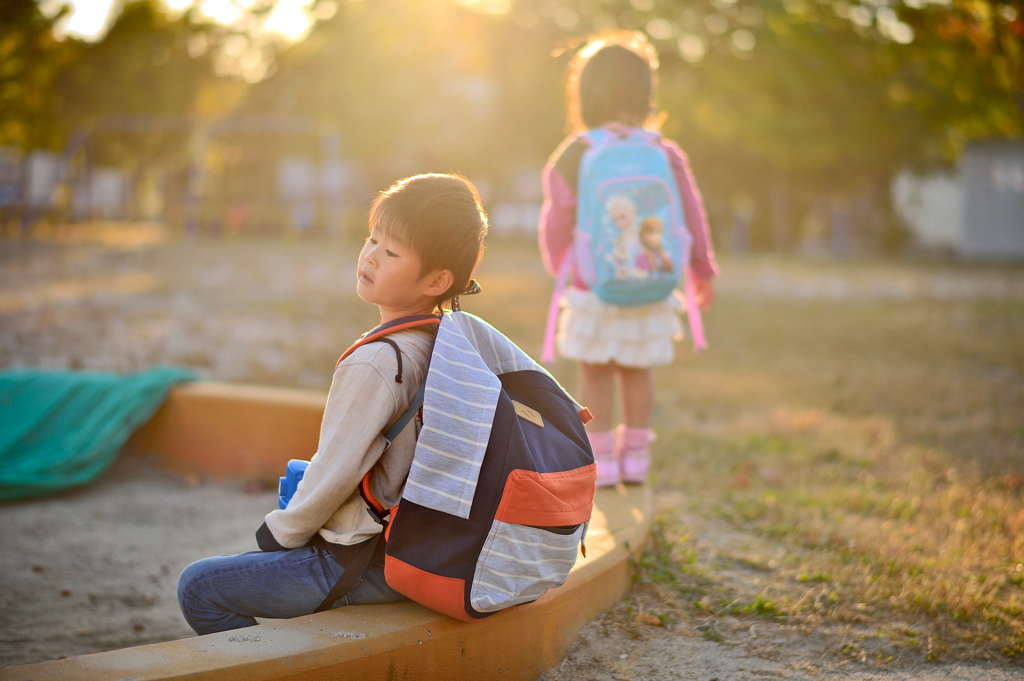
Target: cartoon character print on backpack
653	258
631	243
625	226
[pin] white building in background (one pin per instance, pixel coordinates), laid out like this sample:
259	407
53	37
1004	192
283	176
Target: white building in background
993	180
976	212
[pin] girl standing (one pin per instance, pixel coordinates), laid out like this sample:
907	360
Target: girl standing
612	82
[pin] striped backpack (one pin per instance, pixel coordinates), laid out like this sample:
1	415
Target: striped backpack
502	481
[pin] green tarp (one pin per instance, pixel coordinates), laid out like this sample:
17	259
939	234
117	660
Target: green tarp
59	429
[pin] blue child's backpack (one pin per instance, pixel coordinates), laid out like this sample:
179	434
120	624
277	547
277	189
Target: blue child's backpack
631	241
631	246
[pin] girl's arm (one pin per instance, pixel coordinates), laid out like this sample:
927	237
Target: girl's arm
702	254
557	218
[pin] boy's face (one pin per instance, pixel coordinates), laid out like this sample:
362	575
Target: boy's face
388	275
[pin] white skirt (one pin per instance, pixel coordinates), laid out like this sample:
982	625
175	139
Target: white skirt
595	332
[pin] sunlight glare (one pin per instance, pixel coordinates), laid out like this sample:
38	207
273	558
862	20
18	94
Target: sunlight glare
224	11
88	18
487	6
288	19
591	49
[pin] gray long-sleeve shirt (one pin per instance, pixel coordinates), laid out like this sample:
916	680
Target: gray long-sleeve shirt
364	400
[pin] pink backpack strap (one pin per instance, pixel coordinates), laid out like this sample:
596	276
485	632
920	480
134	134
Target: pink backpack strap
548	355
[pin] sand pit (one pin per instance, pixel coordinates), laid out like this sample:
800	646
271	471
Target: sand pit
97	568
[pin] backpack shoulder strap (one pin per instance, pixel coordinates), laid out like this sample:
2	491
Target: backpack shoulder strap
391	327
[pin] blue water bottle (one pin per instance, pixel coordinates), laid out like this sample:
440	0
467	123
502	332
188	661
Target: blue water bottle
290	482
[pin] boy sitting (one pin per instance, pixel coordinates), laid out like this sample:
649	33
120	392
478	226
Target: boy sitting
426	238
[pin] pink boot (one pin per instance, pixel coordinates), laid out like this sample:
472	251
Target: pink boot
632	447
603	445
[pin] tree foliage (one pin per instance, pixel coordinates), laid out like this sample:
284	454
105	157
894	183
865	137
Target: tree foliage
830	95
30	62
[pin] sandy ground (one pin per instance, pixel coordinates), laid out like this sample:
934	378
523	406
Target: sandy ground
96	568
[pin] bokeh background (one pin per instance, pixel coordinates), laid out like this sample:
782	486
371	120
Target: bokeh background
803	118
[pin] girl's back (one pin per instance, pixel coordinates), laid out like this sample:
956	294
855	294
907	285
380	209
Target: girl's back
611	86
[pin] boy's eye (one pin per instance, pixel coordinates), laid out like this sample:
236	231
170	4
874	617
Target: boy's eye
371	240
390	254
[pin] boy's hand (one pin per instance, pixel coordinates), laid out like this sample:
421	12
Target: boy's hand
705	294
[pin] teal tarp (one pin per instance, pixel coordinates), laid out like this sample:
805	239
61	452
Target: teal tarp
59	429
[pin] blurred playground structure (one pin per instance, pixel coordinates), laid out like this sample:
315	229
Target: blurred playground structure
251	174
828	128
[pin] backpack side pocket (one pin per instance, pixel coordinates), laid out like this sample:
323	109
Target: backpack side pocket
532	543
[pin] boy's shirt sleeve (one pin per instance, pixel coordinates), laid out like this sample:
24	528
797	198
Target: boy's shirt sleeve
702	253
361	403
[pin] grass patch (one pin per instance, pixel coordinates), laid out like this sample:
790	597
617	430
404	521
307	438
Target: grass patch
882	444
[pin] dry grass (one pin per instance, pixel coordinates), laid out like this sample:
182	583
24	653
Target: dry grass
879	448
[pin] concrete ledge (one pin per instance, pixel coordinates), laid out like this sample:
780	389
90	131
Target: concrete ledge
394	641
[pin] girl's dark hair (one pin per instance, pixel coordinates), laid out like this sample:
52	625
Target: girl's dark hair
441	218
613	78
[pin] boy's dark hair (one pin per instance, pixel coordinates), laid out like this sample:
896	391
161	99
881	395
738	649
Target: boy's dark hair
613	78
441	218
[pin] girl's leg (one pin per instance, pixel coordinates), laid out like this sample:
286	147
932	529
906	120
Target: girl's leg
637	396
633	442
597	383
596	393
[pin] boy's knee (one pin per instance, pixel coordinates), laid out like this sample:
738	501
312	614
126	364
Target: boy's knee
187	581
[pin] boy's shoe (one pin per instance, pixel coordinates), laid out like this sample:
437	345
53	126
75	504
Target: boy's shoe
632	448
603	445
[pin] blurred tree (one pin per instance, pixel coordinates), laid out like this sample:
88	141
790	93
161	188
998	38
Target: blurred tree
822	96
828	85
819	96
419	86
146	64
30	61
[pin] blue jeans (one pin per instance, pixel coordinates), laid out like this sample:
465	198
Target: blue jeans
229	592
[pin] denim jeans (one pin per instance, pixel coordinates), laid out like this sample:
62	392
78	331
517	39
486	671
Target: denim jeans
229	592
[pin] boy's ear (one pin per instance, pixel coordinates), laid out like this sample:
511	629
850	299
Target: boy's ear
438	282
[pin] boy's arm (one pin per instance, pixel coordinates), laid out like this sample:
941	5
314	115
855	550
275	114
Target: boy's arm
702	254
361	403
